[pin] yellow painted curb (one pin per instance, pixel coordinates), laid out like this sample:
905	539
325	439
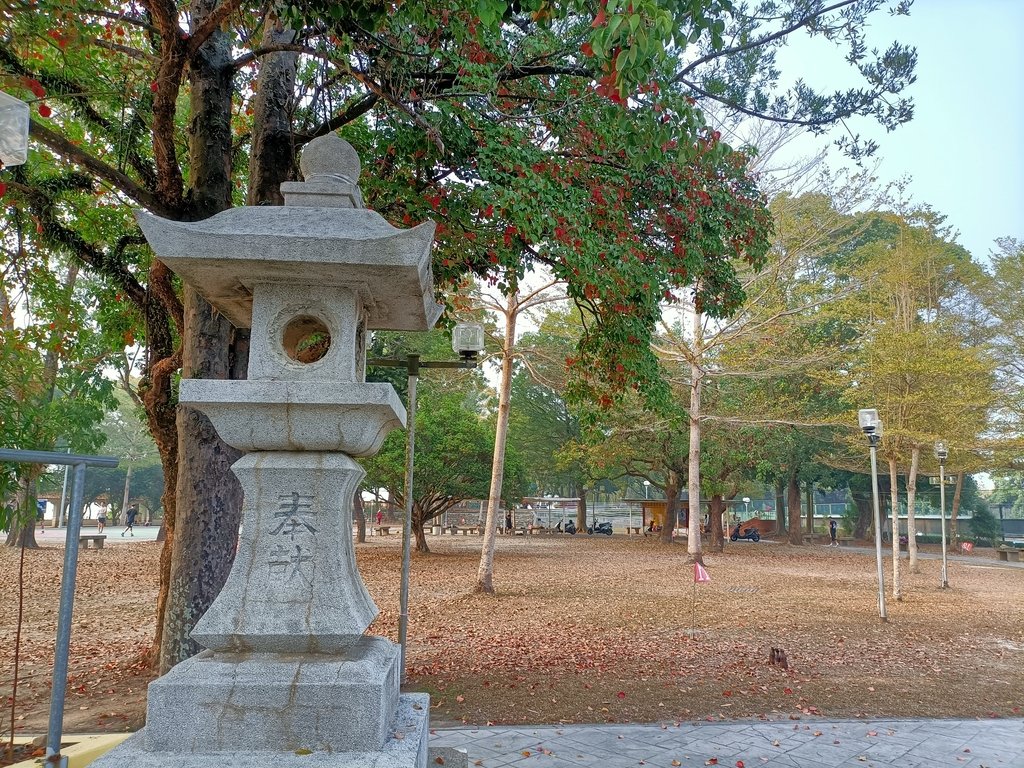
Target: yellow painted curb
81	750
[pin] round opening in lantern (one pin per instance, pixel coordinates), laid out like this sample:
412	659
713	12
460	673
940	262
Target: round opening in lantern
306	339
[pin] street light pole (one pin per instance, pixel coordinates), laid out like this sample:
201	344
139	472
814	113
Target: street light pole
468	342
413	369
941	452
872	426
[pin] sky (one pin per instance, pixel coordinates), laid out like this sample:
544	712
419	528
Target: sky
964	150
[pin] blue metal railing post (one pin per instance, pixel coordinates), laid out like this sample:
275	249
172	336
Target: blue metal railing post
67	601
67	582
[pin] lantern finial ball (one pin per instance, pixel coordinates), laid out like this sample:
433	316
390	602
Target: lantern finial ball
329	157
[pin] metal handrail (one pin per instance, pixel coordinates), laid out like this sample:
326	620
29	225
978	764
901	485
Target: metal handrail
58	690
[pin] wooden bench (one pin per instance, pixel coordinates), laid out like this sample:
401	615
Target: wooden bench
809	538
465	530
845	541
97	540
632	530
382	530
1009	554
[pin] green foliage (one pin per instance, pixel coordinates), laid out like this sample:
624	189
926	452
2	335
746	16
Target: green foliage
51	388
454	446
985	526
1009	493
533	131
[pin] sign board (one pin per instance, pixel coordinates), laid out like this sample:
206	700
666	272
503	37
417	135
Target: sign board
950	480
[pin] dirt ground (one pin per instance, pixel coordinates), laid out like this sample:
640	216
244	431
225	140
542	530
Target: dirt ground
587	629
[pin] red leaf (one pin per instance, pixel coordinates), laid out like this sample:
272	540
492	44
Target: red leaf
621	694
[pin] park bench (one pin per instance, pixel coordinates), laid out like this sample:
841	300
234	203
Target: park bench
382	530
809	538
1009	554
97	540
845	541
465	530
633	530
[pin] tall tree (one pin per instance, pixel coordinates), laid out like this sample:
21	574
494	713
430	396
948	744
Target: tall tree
549	129
508	306
52	391
454	448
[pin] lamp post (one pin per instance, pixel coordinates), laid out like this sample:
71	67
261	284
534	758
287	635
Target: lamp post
647	488
872	426
467	342
941	452
746	507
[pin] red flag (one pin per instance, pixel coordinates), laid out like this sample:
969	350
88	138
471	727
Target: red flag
700	574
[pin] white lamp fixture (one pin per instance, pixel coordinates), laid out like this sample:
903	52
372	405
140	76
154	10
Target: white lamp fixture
868	420
468	340
13	130
941	451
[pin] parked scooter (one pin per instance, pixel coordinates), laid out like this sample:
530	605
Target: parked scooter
605	528
748	533
570	527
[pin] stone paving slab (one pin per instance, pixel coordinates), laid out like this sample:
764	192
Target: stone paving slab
754	744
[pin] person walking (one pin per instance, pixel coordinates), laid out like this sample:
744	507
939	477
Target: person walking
832	528
101	519
133	512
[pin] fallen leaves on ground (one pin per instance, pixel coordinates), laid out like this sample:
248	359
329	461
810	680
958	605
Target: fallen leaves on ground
589	630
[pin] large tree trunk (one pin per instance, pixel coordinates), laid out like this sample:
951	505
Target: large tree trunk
673	482
810	507
23	528
272	154
915	458
581	507
485	573
360	515
865	513
716	506
897	590
158	398
954	523
419	524
796	536
209	497
780	507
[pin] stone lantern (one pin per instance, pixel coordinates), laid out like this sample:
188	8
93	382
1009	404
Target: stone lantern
288	676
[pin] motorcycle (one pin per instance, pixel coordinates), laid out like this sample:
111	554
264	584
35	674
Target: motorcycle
570	527
748	533
605	528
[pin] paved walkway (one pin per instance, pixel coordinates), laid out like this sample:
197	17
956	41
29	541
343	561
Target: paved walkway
747	744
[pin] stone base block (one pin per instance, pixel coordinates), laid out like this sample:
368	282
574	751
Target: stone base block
404	747
276	702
